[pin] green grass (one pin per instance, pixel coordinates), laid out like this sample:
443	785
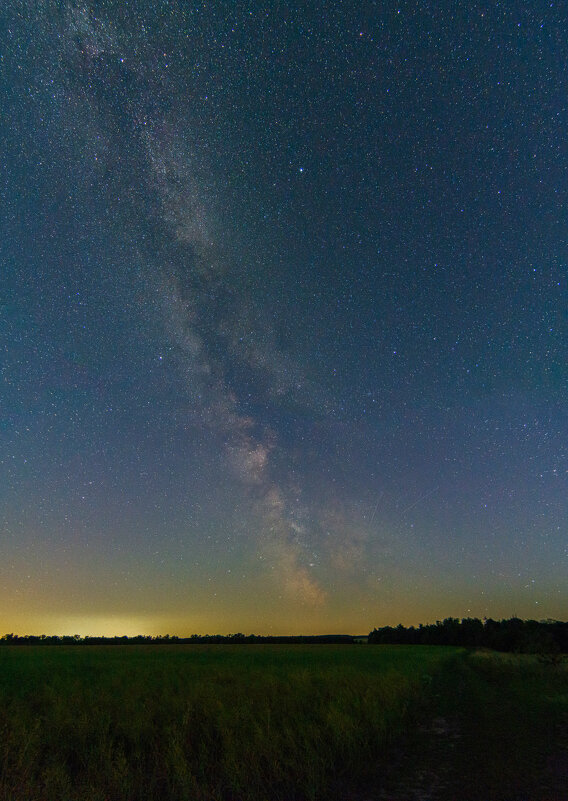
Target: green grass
510	709
489	728
273	722
201	722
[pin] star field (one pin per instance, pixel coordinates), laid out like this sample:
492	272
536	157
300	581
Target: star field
283	315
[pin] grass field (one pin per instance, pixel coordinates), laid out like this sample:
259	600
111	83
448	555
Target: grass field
513	713
257	723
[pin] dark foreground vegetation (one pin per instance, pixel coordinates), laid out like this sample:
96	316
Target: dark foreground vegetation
199	722
275	723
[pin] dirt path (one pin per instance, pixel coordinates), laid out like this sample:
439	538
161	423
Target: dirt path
481	738
429	767
421	768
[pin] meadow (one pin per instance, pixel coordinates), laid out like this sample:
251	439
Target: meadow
260	722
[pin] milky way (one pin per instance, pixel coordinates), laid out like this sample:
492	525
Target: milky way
284	316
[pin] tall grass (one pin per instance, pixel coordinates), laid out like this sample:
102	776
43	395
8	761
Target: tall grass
512	707
204	723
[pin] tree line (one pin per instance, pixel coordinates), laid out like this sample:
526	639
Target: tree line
514	634
168	639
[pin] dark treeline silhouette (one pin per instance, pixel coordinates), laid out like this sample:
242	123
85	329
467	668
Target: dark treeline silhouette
514	634
167	639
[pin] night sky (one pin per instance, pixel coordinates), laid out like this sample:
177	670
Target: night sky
283	315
